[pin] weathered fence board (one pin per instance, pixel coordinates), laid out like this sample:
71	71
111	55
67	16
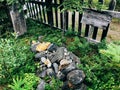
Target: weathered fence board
96	19
18	21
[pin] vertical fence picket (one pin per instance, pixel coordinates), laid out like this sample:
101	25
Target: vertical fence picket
29	9
37	14
43	11
40	12
34	14
67	20
49	12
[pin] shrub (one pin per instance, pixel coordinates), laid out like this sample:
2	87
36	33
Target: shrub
28	82
55	84
14	58
112	52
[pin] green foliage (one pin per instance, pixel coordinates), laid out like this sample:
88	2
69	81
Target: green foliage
17	84
55	84
73	5
14	58
101	74
53	36
78	5
79	46
28	82
112	52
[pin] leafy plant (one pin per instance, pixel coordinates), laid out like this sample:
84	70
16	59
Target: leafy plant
112	52
31	81
28	82
55	84
13	58
17	84
78	5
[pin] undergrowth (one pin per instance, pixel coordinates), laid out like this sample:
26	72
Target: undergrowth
102	73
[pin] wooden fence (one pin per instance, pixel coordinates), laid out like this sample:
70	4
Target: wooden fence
47	12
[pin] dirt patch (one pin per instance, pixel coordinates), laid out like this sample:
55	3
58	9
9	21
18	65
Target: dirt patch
114	32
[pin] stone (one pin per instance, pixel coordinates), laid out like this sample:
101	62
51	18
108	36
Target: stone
64	63
33	47
43	59
67	57
52	47
55	66
46	61
65	86
70	67
51	56
43	74
74	58
50	72
40	38
60	76
42	46
40	54
65	50
76	77
41	85
81	87
58	55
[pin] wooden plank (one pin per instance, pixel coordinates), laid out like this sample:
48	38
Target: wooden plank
37	14
114	14
43	11
40	12
73	21
49	12
34	14
67	20
56	14
79	24
87	30
64	22
96	19
29	9
104	33
95	33
18	20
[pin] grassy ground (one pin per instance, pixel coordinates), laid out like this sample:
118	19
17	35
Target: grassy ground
98	68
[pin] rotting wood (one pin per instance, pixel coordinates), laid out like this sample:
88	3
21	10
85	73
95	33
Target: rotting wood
96	19
18	20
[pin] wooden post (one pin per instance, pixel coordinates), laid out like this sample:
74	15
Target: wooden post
18	20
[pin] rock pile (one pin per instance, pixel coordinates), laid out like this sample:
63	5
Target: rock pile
58	62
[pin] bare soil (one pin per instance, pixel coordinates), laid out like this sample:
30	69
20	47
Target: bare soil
114	32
